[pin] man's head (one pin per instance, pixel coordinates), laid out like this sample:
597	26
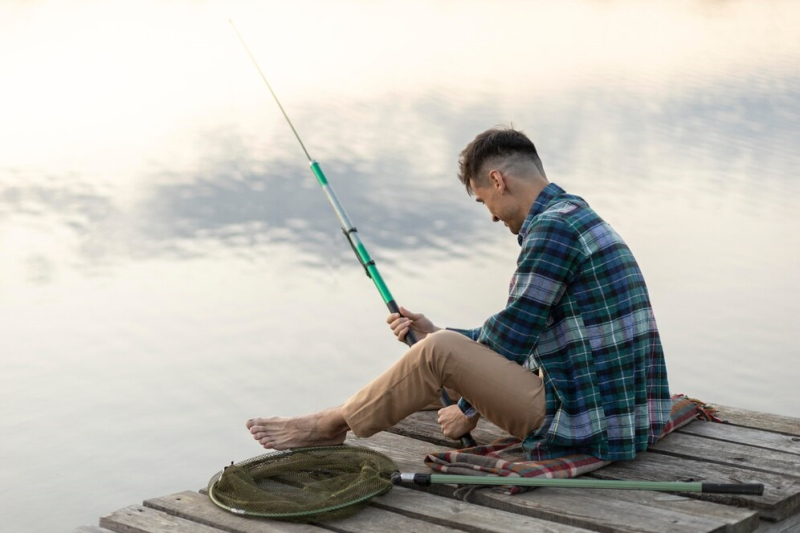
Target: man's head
502	169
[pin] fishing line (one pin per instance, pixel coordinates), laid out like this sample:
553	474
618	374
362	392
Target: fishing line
275	96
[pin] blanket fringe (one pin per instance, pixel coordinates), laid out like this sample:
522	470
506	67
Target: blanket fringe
705	411
463	492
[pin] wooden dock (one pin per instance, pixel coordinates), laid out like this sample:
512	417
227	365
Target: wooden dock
753	447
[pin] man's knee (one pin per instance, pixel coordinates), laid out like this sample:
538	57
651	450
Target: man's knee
437	348
445	340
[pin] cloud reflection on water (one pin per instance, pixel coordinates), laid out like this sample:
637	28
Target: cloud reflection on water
399	185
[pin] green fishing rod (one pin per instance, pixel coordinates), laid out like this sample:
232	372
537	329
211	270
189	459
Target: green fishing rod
349	230
425	480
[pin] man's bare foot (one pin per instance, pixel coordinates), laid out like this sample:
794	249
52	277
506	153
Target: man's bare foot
326	428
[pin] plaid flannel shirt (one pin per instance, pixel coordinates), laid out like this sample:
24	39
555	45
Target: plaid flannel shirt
578	308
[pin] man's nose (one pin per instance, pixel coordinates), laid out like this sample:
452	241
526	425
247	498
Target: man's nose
495	219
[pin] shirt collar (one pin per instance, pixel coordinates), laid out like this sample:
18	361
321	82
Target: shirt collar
542	201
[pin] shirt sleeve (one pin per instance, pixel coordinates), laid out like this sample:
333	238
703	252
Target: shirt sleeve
548	262
470	333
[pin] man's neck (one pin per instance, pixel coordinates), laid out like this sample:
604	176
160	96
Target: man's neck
530	193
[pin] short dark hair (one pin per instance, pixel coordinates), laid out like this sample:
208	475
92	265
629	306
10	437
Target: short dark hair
500	142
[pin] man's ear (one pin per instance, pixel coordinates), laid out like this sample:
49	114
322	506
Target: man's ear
497	180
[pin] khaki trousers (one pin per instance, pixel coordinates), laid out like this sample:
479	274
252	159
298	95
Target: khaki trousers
510	396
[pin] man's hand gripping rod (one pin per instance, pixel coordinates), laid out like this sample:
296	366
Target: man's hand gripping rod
348	228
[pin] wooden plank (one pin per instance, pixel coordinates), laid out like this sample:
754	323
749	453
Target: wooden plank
781	493
790	525
736	519
690	446
91	529
596	510
455	513
198	508
373	519
753	419
201	510
743	435
139	519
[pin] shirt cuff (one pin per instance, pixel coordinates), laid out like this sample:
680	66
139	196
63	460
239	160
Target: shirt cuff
467	408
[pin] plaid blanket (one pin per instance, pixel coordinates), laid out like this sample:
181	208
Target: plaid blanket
505	457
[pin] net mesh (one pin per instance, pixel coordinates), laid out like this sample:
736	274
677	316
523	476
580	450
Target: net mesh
303	485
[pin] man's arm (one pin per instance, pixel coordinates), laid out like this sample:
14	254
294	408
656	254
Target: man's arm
548	262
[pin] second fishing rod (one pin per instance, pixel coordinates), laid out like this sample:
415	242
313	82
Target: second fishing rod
350	231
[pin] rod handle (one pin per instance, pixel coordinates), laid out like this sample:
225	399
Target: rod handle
756	489
411	337
466	439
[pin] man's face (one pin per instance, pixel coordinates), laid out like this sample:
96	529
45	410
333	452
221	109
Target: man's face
500	204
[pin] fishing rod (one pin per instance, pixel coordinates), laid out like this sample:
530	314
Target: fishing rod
349	230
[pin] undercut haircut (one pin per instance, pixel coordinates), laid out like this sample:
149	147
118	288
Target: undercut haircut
502	146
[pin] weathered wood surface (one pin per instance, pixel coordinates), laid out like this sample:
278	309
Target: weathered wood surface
743	435
590	509
753	447
199	508
790	525
701	451
373	519
140	519
756	420
690	446
462	515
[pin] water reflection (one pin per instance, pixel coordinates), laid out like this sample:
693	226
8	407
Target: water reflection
400	188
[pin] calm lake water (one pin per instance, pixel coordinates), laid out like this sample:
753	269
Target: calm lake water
169	267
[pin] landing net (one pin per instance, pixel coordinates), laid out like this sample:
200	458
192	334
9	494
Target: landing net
304	484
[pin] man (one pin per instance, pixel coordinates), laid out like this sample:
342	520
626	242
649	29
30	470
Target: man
574	362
